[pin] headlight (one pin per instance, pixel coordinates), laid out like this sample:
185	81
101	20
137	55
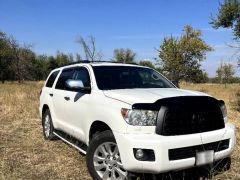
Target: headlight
223	109
138	117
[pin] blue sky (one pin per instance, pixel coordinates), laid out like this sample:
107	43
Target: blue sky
52	25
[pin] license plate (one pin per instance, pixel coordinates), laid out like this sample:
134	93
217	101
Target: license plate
204	157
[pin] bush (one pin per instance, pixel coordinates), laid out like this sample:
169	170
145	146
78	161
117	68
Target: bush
238	101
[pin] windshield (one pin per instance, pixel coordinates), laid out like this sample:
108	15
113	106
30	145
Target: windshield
128	77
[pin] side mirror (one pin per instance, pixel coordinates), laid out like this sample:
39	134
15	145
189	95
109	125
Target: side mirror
176	83
77	85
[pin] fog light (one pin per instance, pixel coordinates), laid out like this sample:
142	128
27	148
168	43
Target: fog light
139	154
144	154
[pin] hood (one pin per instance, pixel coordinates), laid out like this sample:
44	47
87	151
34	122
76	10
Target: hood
132	96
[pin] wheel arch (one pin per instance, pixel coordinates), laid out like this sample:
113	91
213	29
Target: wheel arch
44	108
97	126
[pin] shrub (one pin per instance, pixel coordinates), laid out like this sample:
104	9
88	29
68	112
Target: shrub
238	101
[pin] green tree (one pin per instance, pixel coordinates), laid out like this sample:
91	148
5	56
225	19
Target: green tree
15	59
219	73
201	77
225	73
20	56
147	64
228	16
62	59
180	58
228	73
37	68
5	57
52	63
124	55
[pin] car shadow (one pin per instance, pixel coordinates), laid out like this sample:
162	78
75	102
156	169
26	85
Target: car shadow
197	173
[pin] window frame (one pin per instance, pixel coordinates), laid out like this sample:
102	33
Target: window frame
103	89
74	69
82	67
56	77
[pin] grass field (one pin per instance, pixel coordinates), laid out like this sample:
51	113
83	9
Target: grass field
24	154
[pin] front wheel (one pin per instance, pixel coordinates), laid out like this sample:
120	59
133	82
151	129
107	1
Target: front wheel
103	158
48	126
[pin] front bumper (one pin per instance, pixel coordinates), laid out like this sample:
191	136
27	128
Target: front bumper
161	145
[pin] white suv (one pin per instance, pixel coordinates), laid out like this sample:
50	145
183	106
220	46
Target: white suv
130	119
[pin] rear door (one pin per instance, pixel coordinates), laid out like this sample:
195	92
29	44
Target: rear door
47	91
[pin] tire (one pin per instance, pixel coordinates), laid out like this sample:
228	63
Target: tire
48	126
107	162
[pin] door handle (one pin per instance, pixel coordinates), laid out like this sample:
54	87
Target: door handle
67	98
51	94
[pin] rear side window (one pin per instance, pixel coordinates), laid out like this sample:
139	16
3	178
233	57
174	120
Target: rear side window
64	76
51	79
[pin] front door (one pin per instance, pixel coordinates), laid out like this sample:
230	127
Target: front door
71	106
79	104
61	101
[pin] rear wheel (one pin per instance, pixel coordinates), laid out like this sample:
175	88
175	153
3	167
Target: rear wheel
47	126
103	158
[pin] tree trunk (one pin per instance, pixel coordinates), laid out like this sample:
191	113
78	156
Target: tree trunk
2	77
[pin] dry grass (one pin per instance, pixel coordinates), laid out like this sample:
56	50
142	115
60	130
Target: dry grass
229	95
24	154
237	102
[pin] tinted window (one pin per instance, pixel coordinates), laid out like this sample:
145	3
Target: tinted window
128	77
64	76
83	75
51	79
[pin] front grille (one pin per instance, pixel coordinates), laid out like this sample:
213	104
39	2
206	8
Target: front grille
188	115
189	152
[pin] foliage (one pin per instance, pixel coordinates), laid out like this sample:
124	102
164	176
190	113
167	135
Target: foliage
147	64
228	16
238	101
180	57
225	73
201	77
5	57
19	62
124	55
14	58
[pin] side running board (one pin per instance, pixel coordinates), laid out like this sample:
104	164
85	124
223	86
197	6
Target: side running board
82	147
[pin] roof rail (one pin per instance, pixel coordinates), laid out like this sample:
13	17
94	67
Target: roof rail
87	61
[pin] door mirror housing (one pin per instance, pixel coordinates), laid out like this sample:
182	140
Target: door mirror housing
77	85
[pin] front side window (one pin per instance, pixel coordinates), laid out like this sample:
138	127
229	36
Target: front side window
64	76
51	79
128	77
83	75
76	73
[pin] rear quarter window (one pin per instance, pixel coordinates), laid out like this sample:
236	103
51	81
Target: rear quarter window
51	79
